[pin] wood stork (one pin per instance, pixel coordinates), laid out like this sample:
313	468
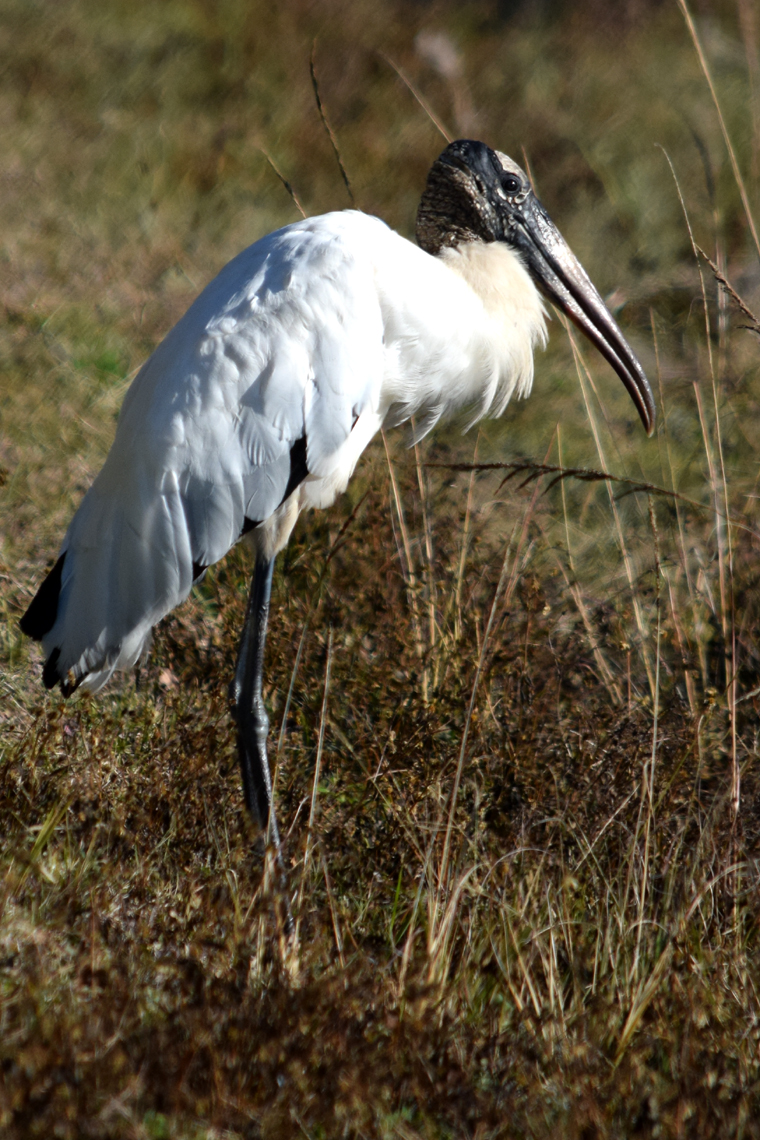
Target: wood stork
261	399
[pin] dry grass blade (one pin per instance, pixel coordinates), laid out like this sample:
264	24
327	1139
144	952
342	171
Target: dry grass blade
333	910
648	986
288	186
315	785
524	970
328	128
533	469
443	931
719	482
720	277
443	875
678	624
429	563
584	376
456	598
505	586
44	834
724	130
422	102
644	995
604	669
410	575
316	594
646	803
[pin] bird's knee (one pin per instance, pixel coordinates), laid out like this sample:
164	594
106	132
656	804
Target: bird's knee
259	719
250	718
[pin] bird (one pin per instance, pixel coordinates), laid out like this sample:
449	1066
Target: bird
260	401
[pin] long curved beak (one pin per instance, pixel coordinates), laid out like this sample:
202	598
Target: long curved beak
561	277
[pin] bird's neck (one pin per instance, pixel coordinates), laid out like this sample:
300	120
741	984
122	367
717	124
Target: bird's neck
450	214
497	276
515	314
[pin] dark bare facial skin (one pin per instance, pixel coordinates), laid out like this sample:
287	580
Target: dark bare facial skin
475	193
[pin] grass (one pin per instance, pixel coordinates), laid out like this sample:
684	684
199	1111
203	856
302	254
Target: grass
516	723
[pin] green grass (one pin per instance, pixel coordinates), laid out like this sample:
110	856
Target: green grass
572	950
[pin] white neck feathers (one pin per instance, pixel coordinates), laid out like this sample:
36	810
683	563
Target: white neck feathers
503	285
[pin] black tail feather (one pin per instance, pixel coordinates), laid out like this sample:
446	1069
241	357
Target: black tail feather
39	619
50	675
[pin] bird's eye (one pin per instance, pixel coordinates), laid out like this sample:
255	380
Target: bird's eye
511	184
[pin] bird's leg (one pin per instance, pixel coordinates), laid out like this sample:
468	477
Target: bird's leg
251	715
248	702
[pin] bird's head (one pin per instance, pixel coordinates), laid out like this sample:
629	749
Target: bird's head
474	193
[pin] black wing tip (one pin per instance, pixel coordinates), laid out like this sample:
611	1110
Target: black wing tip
50	674
39	619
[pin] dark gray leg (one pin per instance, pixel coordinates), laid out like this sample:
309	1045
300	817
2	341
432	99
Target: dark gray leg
250	713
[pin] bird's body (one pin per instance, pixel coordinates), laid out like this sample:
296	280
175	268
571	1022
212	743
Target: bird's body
261	399
321	332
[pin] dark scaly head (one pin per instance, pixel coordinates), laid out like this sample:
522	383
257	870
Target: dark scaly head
474	193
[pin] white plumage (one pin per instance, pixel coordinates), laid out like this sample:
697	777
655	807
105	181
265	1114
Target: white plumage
262	398
324	330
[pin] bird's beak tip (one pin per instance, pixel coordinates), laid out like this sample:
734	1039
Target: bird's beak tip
649	415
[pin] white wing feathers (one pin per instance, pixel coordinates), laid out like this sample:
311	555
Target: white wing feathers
330	325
